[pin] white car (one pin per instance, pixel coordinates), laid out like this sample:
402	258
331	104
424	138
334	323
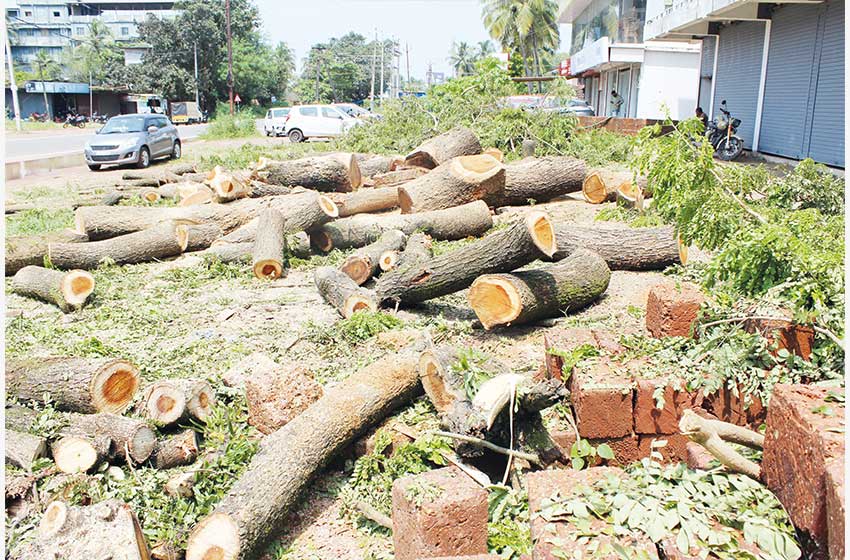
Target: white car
317	121
275	120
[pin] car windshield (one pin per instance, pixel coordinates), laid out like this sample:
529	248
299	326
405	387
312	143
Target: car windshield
121	125
352	110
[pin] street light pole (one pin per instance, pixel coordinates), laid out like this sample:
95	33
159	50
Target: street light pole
374	58
229	55
91	100
383	48
197	93
12	83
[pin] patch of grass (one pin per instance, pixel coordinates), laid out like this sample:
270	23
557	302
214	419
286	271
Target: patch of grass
225	125
358	328
634	218
335	258
39	220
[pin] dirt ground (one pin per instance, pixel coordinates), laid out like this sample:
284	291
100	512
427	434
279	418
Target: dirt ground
179	318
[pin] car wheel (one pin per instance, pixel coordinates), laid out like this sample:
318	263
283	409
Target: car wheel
296	136
94	167
144	158
176	151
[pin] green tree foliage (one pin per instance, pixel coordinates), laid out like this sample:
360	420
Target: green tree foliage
344	69
462	58
96	57
45	68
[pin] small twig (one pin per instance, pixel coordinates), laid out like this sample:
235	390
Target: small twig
830	335
128	458
374	515
737	200
479	477
530	457
705	432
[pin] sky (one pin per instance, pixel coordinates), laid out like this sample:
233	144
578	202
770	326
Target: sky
428	27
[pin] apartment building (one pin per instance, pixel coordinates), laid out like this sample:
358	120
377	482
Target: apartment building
54	25
779	66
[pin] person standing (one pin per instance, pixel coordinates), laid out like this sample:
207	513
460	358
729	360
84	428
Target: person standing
702	117
616	103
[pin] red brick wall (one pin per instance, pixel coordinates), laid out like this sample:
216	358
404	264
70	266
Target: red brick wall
621	125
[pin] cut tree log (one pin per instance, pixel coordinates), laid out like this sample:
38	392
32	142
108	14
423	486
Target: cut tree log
398	177
106	529
459	141
79	454
601	185
269	252
150	195
339	172
104	222
31	250
365	262
342	293
417	249
459	181
20	418
468	220
191	192
177	450
22	449
495	152
260	189
227	186
67	290
169	401
159	242
633	195
258	503
366	200
539	180
501	300
623	248
132	439
178	169
371	165
202	236
301	212
518	244
230	252
197	198
85	385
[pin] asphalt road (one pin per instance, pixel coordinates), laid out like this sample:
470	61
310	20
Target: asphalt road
46	143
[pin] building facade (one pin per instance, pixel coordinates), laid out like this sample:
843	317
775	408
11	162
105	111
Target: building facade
55	25
609	53
779	67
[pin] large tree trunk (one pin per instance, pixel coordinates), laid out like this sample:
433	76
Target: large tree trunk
371	165
67	290
471	219
459	141
104	530
132	439
540	180
601	185
459	181
270	246
31	250
342	293
202	236
398	177
417	250
103	222
159	242
502	251
301	212
623	248
363	264
260	189
76	384
366	200
339	173
22	449
530	295
258	503
169	401
177	450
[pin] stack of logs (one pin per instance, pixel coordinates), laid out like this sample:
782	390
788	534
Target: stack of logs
388	209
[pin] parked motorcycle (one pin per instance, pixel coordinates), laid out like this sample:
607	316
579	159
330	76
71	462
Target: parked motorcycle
722	134
75	120
38	117
99	119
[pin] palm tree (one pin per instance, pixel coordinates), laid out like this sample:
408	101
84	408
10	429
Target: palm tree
96	49
462	59
485	49
45	68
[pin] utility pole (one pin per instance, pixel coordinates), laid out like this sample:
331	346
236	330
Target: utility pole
429	76
91	101
374	57
407	52
12	83
229	55
318	67
197	86
383	48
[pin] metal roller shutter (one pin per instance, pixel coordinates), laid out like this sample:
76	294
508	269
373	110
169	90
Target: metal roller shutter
738	73
706	72
787	90
826	143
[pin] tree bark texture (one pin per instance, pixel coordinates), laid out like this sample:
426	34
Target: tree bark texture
270	246
258	503
174	451
459	141
342	293
202	236
231	252
333	173
623	248
364	201
85	385
301	212
66	290
159	242
540	180
530	295
601	185
365	262
520	243
458	181
20	418
417	249
398	177
31	250
23	448
371	165
132	439
469	220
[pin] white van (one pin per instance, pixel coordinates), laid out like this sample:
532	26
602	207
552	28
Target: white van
275	120
317	121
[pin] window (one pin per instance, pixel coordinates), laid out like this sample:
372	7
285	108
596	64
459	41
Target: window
308	112
161	122
330	113
79	31
13	13
125	31
280	113
27	14
57	14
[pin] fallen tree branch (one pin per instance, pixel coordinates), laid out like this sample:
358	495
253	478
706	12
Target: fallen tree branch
530	457
707	433
372	514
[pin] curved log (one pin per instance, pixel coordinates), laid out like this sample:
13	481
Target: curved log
342	293
459	141
336	172
32	250
67	290
459	181
540	180
623	248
